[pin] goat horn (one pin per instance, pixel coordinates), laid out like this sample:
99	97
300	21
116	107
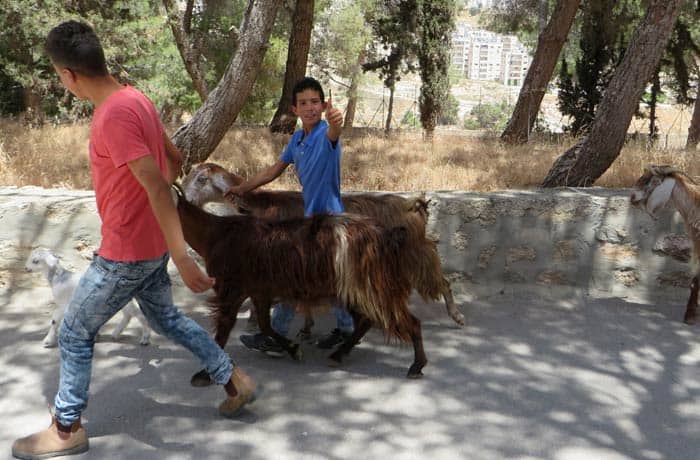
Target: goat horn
178	189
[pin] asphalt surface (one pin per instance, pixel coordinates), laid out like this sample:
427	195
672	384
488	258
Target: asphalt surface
536	374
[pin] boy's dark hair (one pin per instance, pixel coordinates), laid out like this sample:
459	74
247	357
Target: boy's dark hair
74	45
304	84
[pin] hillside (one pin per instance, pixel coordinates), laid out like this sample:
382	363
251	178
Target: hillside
673	120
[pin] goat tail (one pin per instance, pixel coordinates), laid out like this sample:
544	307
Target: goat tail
426	273
372	280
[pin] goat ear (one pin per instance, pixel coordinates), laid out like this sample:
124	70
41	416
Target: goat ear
51	260
660	196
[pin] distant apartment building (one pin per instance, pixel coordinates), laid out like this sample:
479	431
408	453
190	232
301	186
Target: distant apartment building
480	3
482	55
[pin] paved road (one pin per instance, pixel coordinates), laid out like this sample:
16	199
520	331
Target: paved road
535	375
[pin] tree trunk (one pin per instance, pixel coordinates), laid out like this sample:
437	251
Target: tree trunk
694	128
585	162
198	138
33	114
542	16
187	44
284	120
353	93
351	108
549	45
387	124
653	102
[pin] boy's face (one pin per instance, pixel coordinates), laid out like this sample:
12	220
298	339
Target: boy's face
309	107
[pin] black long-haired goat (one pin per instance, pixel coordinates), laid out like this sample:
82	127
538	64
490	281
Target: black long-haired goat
306	261
207	182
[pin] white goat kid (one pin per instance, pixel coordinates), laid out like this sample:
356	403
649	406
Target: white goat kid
660	185
63	282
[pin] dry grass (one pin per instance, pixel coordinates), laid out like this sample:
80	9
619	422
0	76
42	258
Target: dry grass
57	157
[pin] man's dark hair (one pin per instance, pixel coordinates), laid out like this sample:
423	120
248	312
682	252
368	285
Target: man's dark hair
74	45
304	84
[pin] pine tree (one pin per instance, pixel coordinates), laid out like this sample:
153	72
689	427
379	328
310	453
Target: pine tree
436	22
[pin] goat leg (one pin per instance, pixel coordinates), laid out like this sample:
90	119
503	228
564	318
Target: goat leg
452	310
691	311
419	358
252	324
145	327
305	332
51	339
362	325
121	326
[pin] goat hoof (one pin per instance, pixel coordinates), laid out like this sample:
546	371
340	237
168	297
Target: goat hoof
334	361
200	379
415	372
690	320
459	319
295	352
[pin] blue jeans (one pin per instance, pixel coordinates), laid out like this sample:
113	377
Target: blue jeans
103	290
283	314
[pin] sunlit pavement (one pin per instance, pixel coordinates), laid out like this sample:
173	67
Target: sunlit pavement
534	375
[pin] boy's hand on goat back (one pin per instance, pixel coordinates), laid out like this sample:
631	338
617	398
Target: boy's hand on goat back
192	275
232	193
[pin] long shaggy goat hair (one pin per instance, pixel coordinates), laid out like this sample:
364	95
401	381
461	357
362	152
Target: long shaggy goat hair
208	182
306	260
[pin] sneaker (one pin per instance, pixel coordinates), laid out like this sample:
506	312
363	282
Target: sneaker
263	343
52	442
335	337
246	388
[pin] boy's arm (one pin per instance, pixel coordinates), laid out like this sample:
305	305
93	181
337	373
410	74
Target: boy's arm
263	177
146	172
334	117
173	159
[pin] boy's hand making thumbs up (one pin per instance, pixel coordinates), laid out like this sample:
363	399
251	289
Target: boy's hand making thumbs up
334	117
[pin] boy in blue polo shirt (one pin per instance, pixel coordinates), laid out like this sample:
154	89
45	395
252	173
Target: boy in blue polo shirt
315	151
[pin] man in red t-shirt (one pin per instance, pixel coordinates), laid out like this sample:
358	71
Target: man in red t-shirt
133	164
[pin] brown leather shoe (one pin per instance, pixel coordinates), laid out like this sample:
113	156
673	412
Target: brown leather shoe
245	386
54	441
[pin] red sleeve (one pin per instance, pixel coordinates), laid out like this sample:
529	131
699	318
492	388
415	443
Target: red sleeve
123	136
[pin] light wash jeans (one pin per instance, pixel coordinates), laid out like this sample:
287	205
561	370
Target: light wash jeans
283	314
103	290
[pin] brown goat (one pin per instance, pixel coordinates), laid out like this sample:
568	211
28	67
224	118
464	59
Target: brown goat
660	185
307	261
207	182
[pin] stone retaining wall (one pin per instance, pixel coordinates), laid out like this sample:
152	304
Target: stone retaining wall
583	238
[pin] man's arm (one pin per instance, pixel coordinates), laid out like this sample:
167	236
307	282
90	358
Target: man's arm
173	159
263	177
146	172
